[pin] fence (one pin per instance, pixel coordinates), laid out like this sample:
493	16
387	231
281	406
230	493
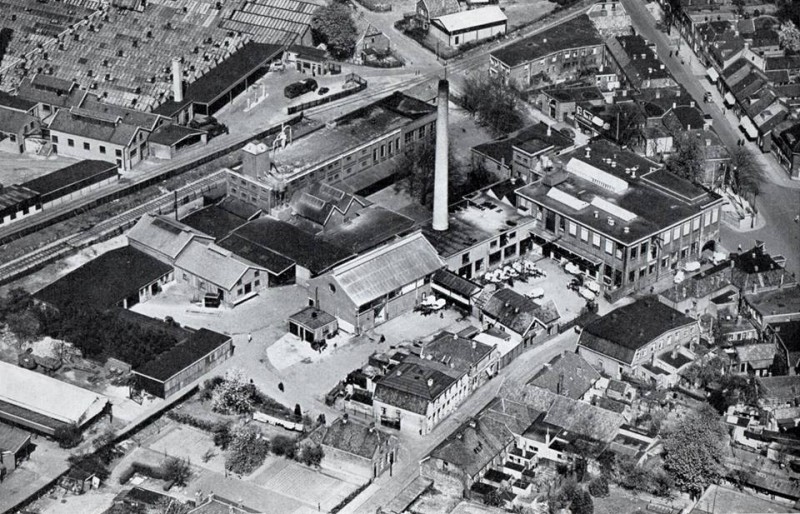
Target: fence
361	85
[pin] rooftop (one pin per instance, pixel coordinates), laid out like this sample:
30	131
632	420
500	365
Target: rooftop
12	439
637	58
356	438
462	20
412	385
71	175
13	121
473	445
278	239
212	263
349	132
567	374
172	134
783	301
780	388
164	234
575	94
179	357
621	332
214	220
454	351
605	182
371	227
105	281
473	221
386	269
312	318
15	102
574	33
789	333
532	139
515	311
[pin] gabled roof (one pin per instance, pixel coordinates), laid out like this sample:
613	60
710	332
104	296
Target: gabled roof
621	332
755	352
456	283
567	374
356	438
515	311
213	264
164	234
412	385
576	32
454	351
474	445
12	439
76	122
387	269
455	22
438	8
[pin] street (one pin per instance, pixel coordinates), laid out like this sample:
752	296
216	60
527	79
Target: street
779	201
386	488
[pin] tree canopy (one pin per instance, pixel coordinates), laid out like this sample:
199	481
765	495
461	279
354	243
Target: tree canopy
687	159
495	103
789	36
694	450
333	25
745	175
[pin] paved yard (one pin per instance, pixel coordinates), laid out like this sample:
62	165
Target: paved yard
314	488
190	443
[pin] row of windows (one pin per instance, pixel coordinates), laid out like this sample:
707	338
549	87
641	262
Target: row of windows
87	146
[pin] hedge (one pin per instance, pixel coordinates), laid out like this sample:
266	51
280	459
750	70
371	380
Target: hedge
350	497
188	419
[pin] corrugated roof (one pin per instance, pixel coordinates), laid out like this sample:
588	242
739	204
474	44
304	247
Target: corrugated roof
47	396
212	263
387	269
163	234
472	18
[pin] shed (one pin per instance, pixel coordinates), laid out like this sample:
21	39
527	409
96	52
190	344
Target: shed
312	325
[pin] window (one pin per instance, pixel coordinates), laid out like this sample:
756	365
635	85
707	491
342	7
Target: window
609	247
55	149
573	228
634	252
332	288
421	132
465	258
644	249
714	215
383	151
696	224
87	146
687	227
118	153
596	240
257	283
133	154
256	273
666	236
409	137
102	149
54	139
676	234
119	163
584	234
185	277
70	142
706	219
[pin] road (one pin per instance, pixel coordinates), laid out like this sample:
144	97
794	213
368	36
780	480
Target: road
779	201
386	488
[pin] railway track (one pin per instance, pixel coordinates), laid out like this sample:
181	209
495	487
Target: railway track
47	254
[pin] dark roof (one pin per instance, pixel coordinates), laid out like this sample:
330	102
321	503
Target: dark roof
473	445
256	253
285	239
183	355
567	374
637	59
686	117
354	437
13	122
143	496
455	283
51	91
575	94
574	33
371	227
782	301
454	351
517	312
308	52
93	125
170	108
621	332
12	438
105	281
15	102
412	385
503	149
214	221
220	79
789	332
780	388
312	318
12	412
73	174
172	134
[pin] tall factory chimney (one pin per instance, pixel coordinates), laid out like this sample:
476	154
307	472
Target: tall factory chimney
440	195
177	79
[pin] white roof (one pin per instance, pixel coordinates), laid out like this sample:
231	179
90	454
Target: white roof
593	174
47	396
473	18
567	199
213	264
612	209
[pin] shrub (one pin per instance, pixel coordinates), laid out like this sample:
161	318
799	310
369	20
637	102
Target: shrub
284	446
188	419
312	455
147	470
126	475
68	437
89	463
247	449
599	487
176	470
222	435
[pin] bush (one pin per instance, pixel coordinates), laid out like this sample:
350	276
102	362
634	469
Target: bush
599	487
312	455
68	437
222	435
147	470
247	450
284	446
176	470
91	464
233	395
188	419
126	475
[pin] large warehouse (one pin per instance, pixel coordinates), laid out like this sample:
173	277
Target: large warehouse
44	404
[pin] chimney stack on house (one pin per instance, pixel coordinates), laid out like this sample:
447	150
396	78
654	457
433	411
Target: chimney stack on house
177	79
440	194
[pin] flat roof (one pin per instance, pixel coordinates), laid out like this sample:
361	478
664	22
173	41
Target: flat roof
371	227
473	18
350	131
14	195
105	281
182	355
73	174
531	139
640	206
13	121
172	134
637	58
574	33
288	241
473	221
312	318
214	221
231	71
575	94
15	102
785	300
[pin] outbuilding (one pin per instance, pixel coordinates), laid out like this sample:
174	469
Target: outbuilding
469	26
312	325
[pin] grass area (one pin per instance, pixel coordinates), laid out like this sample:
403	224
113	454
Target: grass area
618	501
521	13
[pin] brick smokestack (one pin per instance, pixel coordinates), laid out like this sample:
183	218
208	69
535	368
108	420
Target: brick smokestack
440	194
177	79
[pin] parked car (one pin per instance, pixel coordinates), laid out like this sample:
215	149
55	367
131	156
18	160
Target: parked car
322	91
300	88
210	125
